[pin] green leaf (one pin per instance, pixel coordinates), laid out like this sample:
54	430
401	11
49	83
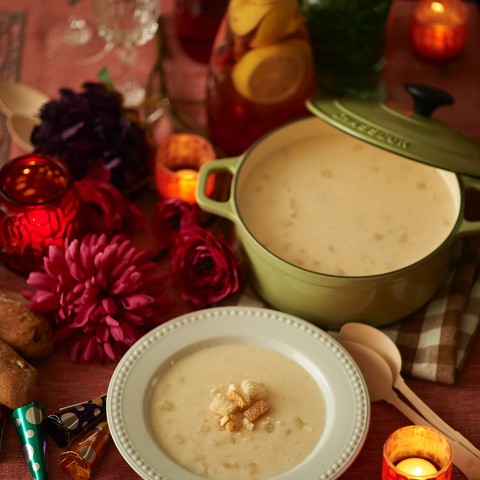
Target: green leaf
105	77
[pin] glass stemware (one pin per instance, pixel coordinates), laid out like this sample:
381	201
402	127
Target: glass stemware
74	40
127	24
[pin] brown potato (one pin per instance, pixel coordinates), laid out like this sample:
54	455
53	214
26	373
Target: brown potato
19	384
26	331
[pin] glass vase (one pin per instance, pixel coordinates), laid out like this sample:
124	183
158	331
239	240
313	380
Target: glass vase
348	41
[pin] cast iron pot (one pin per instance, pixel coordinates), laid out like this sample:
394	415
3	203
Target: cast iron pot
329	300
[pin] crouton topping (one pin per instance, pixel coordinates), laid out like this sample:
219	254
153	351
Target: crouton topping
222	405
256	410
240	406
253	389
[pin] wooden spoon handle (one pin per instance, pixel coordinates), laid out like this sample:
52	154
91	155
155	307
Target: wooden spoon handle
465	461
433	418
468	463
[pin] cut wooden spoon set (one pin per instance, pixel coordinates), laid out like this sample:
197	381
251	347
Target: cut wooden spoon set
380	362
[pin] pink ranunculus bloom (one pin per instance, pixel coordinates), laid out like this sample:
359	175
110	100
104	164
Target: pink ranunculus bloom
205	268
103	295
106	210
170	216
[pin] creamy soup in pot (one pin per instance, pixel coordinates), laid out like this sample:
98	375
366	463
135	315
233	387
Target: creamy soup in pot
339	206
234	411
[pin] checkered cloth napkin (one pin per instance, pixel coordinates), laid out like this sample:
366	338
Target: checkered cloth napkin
435	340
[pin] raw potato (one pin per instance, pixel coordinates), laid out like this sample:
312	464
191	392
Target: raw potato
26	331
18	379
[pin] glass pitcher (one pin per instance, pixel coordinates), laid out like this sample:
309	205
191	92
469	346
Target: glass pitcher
260	72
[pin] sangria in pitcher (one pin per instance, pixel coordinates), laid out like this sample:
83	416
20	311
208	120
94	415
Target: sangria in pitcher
260	73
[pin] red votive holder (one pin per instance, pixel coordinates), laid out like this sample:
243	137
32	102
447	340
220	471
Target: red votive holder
38	207
178	159
417	453
439	29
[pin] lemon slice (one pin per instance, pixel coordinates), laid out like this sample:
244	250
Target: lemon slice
273	74
277	23
244	16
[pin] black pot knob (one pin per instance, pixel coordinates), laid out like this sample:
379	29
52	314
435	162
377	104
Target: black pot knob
426	99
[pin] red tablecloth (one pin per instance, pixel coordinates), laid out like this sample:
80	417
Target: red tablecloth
65	383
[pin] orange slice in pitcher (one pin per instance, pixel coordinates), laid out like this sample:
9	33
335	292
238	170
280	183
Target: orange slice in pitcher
273	74
244	16
280	21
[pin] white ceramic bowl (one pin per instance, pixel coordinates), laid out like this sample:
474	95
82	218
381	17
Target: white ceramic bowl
342	385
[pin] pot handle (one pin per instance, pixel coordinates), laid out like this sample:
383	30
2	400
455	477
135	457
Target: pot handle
427	99
469	227
225	208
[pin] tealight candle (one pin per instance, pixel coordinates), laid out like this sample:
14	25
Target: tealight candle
177	162
187	182
416	466
417	452
439	29
38	207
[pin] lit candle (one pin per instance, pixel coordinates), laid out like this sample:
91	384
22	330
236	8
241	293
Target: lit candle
417	452
187	183
38	208
177	162
416	466
439	29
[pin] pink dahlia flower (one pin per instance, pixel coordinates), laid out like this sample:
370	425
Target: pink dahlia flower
205	268
103	296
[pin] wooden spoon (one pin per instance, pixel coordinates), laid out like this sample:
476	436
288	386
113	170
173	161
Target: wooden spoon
20	98
20	128
379	380
386	348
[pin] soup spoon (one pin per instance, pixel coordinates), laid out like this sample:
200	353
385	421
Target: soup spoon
379	380
386	348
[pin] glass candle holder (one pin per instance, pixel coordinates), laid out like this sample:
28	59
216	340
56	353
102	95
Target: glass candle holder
439	29
417	453
38	207
177	162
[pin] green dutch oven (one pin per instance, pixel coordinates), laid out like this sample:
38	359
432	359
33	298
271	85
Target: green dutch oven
331	300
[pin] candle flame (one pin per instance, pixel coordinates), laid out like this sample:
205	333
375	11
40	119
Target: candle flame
437	7
417	467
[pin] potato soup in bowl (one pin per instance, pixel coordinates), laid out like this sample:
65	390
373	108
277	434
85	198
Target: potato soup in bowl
233	412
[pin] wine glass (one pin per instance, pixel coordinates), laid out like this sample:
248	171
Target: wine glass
75	40
127	24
